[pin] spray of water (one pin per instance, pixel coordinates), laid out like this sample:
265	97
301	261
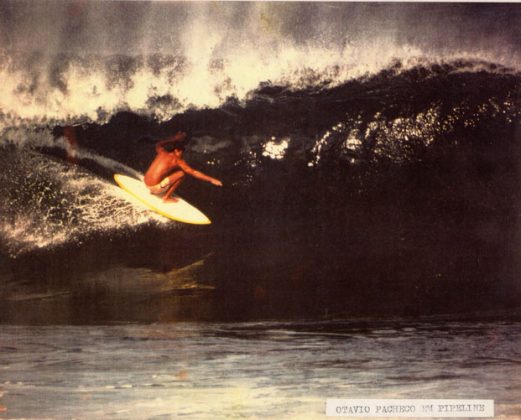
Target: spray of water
75	62
48	202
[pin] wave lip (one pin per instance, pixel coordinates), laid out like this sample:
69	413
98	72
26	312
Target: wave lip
71	88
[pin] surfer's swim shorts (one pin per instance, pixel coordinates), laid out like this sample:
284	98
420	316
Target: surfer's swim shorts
161	187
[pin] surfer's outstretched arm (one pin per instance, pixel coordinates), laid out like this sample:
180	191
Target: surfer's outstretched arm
199	175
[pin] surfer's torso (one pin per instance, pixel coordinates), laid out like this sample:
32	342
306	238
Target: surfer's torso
164	164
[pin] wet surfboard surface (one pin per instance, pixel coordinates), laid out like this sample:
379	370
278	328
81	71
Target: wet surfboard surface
180	211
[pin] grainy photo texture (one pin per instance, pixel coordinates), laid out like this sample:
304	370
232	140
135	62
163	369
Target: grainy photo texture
216	210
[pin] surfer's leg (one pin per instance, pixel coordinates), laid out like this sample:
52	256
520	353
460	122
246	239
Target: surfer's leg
175	180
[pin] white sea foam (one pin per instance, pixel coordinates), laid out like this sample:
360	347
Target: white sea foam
69	63
89	92
276	149
48	203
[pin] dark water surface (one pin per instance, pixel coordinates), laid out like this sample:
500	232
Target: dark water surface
254	370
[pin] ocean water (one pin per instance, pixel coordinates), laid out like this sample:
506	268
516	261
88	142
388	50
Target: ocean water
255	369
370	155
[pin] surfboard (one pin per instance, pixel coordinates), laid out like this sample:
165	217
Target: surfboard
181	211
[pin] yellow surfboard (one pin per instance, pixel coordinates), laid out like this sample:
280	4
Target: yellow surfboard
180	211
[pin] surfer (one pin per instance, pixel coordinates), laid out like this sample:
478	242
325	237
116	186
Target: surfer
168	169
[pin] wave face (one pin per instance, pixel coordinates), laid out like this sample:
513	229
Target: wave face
358	152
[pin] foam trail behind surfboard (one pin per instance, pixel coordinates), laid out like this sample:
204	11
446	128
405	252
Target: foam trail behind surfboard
48	202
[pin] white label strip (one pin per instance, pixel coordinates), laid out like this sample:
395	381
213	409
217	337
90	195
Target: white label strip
409	408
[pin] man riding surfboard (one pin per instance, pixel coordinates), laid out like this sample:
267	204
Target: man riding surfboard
168	169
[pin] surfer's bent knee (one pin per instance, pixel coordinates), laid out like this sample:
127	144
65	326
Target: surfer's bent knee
177	175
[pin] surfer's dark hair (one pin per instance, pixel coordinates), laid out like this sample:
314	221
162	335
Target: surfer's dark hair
179	147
